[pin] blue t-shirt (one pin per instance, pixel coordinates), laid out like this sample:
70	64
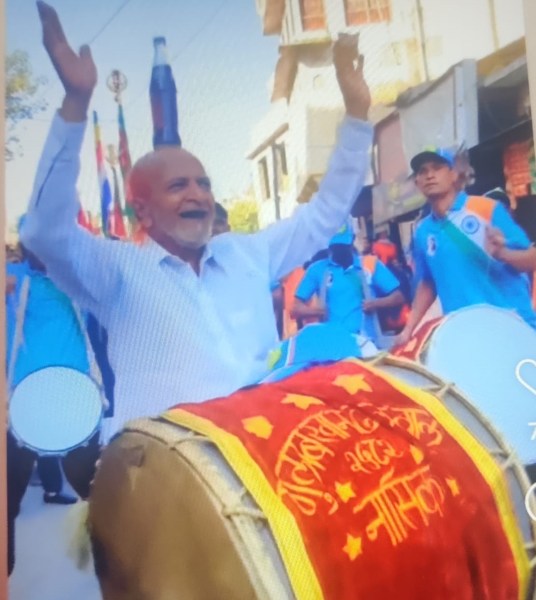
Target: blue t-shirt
342	290
450	254
51	333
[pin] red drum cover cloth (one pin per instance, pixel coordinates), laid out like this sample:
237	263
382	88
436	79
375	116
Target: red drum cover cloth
371	487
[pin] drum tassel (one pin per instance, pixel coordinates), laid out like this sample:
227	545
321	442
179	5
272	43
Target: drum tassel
77	535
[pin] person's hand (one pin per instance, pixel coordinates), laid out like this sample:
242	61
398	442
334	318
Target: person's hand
402	338
354	88
369	306
495	242
77	72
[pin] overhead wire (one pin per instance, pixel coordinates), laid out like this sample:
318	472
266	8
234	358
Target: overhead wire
99	32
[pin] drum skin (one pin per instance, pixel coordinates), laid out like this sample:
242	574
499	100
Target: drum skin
154	534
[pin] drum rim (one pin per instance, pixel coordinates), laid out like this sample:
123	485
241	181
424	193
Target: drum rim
511	461
40	451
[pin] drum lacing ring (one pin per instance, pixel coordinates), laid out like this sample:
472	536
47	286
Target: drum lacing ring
508	463
243	511
439	390
532	561
498	452
378	358
191	436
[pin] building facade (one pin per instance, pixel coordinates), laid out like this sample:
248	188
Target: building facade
405	42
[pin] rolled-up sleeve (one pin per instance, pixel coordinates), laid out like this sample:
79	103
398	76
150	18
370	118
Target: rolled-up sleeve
80	264
293	241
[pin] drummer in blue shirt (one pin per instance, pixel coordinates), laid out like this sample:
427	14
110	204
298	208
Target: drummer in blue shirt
350	288
49	334
468	250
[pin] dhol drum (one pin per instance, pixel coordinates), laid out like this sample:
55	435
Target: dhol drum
54	410
343	482
490	354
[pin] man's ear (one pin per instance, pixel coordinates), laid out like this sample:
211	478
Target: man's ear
142	213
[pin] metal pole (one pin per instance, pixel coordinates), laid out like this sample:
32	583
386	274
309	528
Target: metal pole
494	29
422	37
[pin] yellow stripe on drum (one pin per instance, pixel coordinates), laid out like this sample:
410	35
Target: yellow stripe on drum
287	534
487	465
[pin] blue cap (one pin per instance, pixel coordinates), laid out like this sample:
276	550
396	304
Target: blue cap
432	153
345	235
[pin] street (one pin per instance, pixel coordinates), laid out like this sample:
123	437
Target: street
43	571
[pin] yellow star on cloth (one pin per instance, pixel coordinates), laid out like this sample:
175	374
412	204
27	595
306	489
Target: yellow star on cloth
353	546
352	383
453	486
344	491
300	401
417	454
259	426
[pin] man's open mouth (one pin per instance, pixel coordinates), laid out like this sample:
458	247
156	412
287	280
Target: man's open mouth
194	214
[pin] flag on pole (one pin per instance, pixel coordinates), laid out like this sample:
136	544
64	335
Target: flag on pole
117	225
104	184
84	221
125	162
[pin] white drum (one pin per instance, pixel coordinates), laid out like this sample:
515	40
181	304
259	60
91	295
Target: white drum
54	410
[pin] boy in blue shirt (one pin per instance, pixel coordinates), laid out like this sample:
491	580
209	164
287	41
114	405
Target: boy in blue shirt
468	250
351	288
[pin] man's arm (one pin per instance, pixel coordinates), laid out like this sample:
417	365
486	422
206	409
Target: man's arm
386	288
425	296
292	241
521	260
507	242
77	261
301	310
309	286
392	300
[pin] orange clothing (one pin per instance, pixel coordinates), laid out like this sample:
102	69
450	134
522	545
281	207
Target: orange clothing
385	250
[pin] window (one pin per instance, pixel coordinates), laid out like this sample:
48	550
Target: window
282	159
313	16
362	12
263	179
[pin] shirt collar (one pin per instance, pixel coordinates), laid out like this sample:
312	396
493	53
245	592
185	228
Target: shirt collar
458	204
159	254
356	263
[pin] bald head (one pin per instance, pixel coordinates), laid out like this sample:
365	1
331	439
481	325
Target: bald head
172	197
149	168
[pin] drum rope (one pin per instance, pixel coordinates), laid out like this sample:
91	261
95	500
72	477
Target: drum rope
444	389
94	370
243	511
18	338
509	463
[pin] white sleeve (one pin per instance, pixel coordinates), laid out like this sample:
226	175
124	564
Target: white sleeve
80	264
293	241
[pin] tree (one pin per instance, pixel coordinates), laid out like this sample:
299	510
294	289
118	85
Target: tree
244	215
21	101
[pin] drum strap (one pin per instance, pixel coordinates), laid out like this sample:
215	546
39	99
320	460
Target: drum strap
18	340
93	367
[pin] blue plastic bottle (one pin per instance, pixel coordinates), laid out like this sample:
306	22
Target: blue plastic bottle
163	93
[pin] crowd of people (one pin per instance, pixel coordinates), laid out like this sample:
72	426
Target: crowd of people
194	311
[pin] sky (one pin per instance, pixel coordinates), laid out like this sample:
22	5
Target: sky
222	65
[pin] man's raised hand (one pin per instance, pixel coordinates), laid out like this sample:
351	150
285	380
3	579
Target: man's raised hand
354	88
77	72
